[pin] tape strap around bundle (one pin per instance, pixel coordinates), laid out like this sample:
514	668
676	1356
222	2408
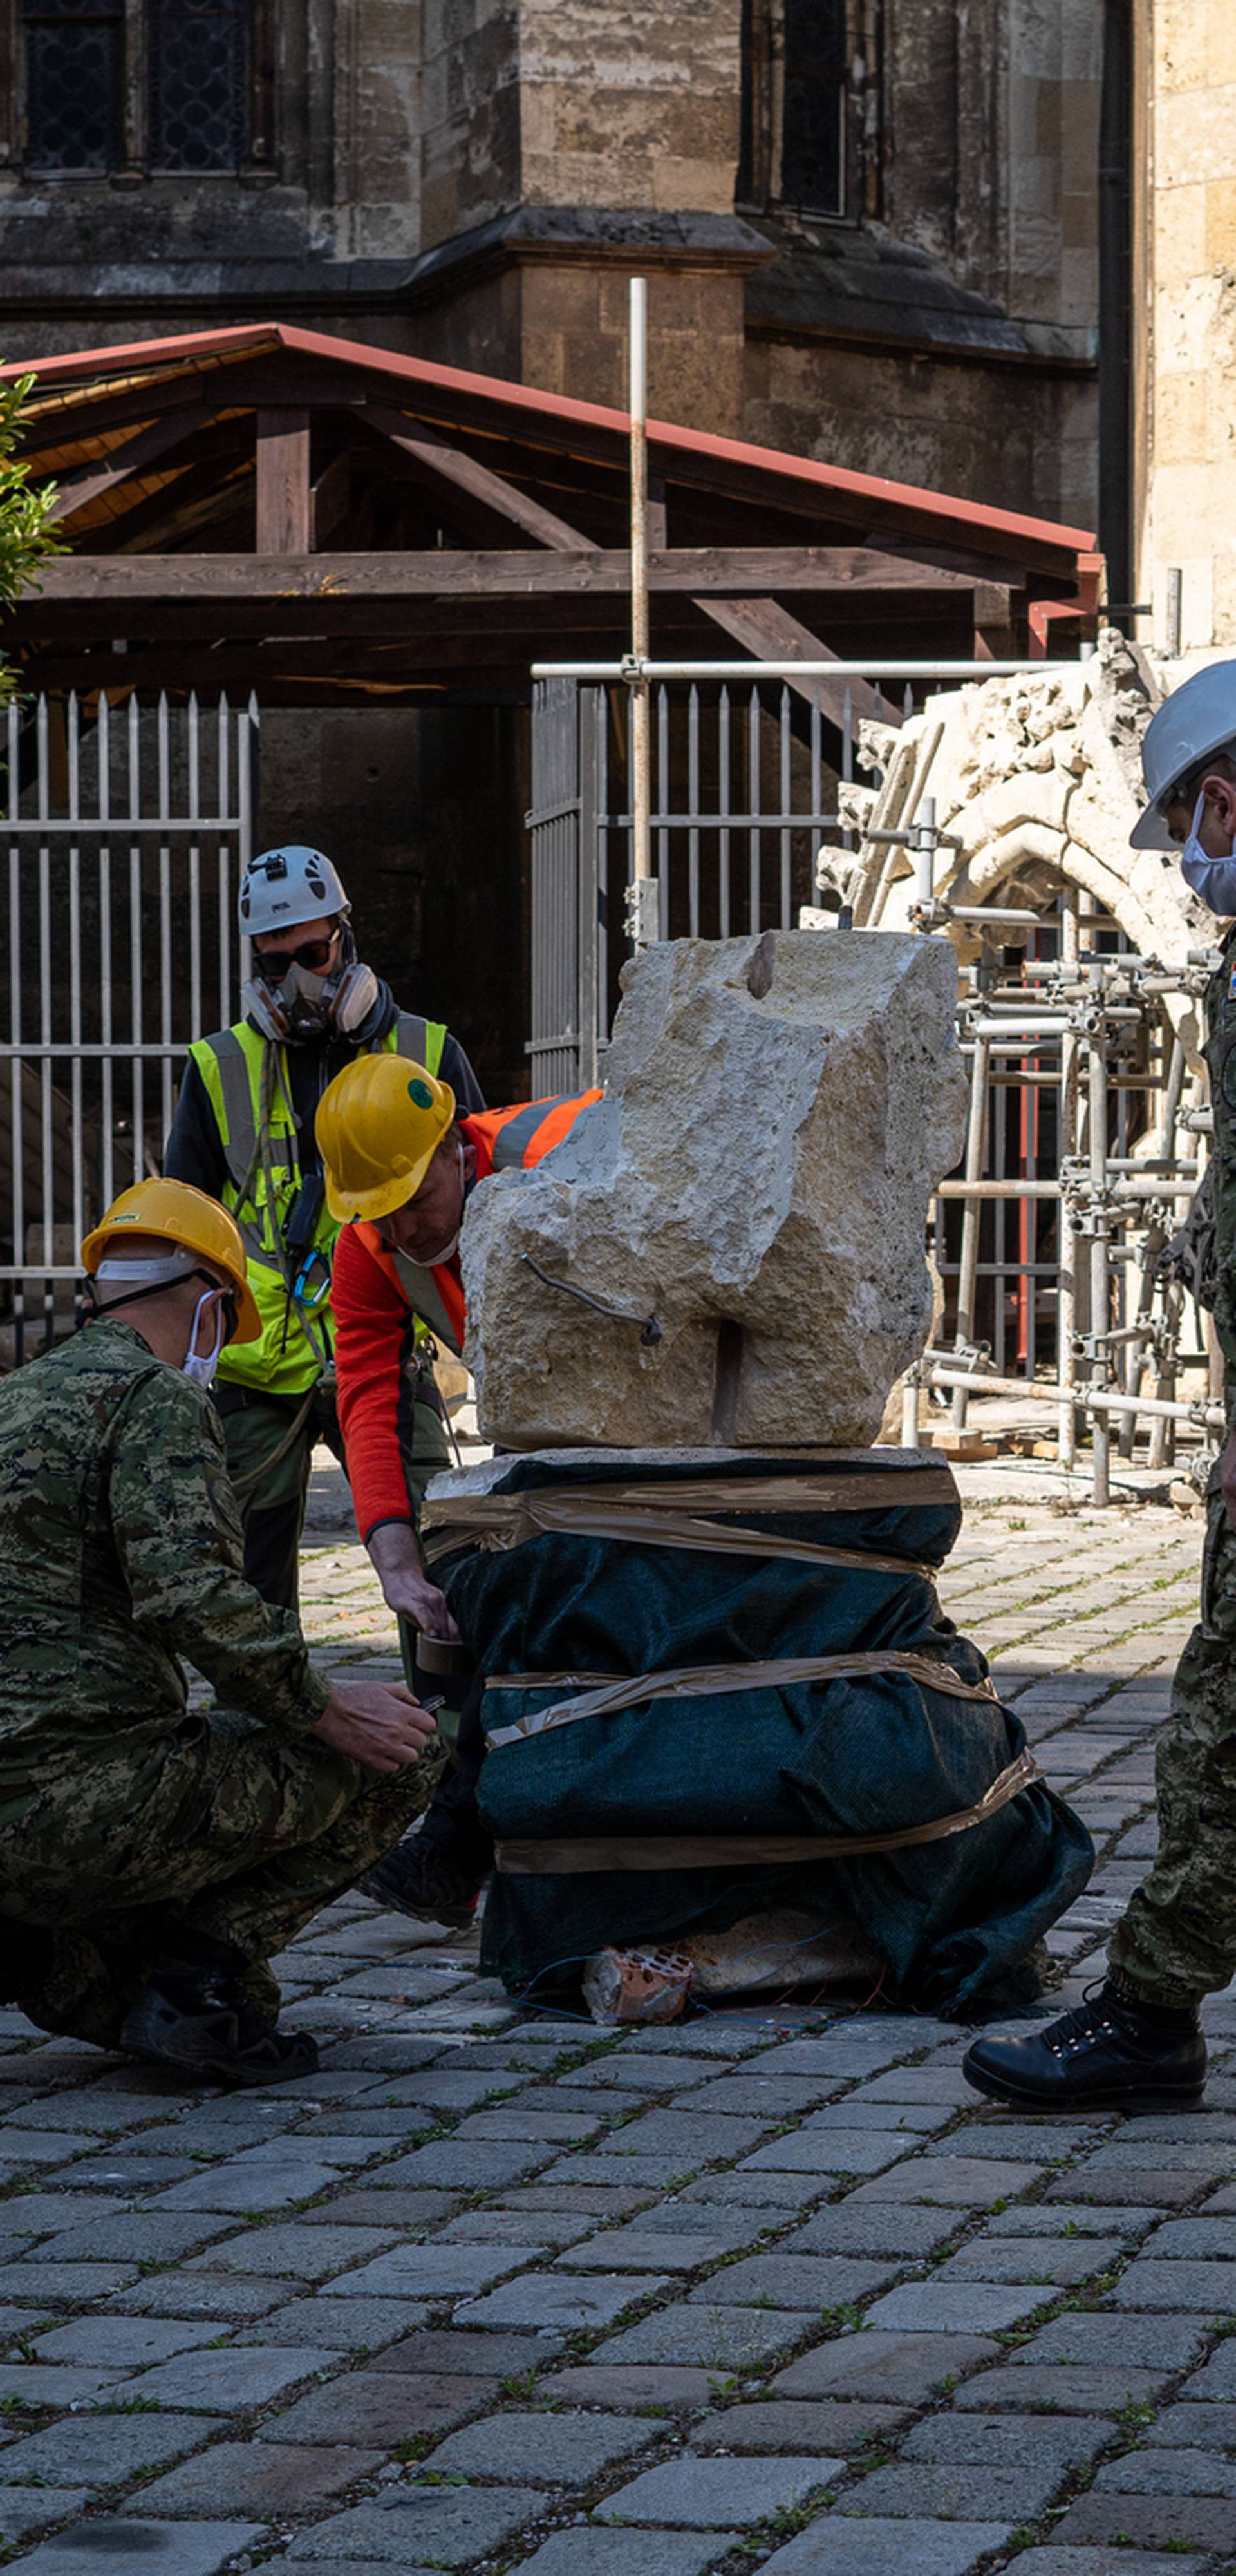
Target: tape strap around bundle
750	1851
676	1515
604	1695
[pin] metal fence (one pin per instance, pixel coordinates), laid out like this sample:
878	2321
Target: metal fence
126	827
742	787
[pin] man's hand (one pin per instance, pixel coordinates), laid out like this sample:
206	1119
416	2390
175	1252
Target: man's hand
1227	1479
376	1723
406	1587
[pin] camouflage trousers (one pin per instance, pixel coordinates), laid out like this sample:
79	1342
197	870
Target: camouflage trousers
230	1832
1177	1941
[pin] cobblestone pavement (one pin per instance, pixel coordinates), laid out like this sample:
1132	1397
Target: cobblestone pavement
499	2290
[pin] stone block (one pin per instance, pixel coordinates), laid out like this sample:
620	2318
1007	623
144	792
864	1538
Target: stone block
901	2369
230	2381
158	2548
122	2343
939	2307
1097	2335
559	2300
1043	2260
666	2384
372	2409
102	2450
354	2325
562	2450
837	2545
788	2424
472	2355
1169	2523
1047	2443
788	2279
852	2226
597	2552
952	2182
709	2494
954	2493
1172	2470
1063	2388
415	2525
804	1226
716	2338
1206	2289
280	2481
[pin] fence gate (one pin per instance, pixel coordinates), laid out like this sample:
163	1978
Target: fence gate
126	828
742	788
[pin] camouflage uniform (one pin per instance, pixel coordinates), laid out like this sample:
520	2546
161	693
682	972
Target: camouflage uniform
126	1820
1177	1942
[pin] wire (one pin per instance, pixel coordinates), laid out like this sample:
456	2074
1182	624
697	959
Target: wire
651	1330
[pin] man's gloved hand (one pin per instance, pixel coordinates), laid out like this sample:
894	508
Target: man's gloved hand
405	1585
377	1723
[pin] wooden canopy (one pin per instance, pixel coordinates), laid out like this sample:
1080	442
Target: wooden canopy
264	508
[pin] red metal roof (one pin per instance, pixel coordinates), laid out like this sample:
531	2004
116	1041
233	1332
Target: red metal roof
952	513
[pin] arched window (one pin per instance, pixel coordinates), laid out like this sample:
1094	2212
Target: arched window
137	88
802	73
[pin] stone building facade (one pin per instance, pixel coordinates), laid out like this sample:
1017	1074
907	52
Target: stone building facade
870	226
1184	307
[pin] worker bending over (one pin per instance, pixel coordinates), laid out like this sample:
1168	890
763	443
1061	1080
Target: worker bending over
243	1131
400	1168
153	1858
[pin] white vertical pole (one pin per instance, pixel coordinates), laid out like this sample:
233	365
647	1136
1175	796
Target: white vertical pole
644	925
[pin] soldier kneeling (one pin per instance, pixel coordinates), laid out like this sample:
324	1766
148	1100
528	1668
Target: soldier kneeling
153	1859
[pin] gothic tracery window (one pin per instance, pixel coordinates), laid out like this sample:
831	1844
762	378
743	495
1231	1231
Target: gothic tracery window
138	86
74	72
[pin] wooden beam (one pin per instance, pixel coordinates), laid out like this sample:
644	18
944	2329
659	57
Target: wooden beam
122	463
433	456
329	500
709	573
282	483
770	634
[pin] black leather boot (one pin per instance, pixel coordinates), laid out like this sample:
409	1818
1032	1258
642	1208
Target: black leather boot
1108	2054
198	2019
436	1877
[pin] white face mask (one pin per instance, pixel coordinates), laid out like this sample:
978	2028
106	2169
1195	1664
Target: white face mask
1213	880
201	1365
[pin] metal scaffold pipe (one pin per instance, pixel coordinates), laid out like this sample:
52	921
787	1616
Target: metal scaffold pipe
644	925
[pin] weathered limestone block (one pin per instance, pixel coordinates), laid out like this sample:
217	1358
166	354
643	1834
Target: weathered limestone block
778	1111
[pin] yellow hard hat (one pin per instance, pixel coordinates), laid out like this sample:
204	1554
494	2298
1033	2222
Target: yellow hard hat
379	1125
177	1213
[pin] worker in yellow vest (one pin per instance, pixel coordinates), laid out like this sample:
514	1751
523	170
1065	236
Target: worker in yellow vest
244	1132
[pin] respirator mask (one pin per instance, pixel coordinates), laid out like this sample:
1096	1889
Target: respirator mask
1212	880
289	998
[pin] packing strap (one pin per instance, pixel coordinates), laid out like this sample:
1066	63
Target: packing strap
750	1851
676	1515
605	1695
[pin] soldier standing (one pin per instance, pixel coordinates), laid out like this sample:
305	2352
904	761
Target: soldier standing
244	1132
1137	2043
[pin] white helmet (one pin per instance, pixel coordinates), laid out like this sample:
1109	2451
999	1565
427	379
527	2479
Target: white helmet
287	886
1199	718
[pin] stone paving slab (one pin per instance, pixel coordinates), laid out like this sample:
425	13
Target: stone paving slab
773	2278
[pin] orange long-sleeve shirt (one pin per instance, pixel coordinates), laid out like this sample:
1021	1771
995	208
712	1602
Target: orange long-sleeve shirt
375	1319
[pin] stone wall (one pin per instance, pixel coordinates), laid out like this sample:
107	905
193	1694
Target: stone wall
1185	312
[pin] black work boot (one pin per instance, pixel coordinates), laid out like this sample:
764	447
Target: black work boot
194	2015
1109	2054
435	1874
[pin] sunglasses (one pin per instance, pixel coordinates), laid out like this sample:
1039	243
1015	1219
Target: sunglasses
274	963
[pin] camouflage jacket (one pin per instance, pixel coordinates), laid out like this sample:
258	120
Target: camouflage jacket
1221	1059
120	1551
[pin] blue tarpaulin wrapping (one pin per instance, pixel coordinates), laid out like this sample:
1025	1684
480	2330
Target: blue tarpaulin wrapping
860	1755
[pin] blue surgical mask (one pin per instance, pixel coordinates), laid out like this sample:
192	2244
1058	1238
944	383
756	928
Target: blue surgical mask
1213	880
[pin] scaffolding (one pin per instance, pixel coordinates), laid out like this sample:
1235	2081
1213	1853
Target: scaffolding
1095	1031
